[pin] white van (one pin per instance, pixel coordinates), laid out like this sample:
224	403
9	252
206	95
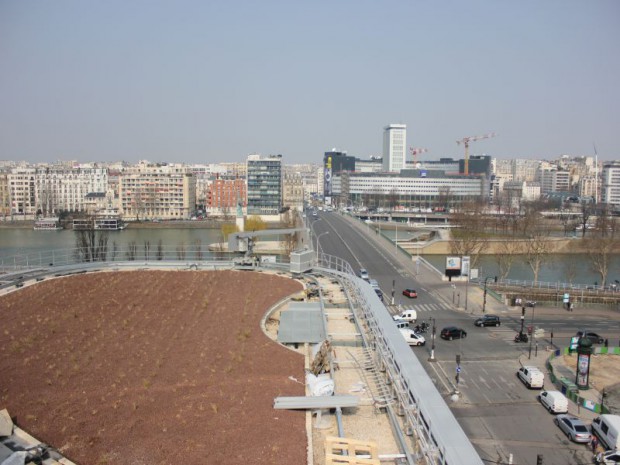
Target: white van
532	377
554	401
412	338
607	428
409	315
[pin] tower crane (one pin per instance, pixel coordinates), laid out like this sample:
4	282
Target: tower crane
415	152
466	140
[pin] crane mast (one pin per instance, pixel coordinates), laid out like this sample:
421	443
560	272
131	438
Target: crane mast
465	141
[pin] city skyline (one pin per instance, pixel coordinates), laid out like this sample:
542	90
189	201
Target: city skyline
201	82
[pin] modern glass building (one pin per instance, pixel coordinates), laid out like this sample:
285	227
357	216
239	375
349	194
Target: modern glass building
264	191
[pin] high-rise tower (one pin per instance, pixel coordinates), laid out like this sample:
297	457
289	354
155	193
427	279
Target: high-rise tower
394	147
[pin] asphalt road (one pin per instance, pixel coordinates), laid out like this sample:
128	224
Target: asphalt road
498	413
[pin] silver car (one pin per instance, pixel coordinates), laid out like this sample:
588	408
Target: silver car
575	429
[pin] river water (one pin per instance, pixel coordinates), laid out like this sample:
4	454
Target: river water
30	242
18	242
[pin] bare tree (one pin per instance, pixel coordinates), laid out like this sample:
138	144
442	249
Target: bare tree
600	254
468	238
160	250
114	250
570	271
587	209
537	248
91	244
198	248
147	249
132	251
181	251
505	257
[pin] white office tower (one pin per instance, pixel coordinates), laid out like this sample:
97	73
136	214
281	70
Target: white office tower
394	147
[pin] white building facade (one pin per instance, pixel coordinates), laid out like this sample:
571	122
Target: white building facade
394	147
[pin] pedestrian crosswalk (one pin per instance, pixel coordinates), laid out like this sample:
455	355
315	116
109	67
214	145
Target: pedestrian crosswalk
396	309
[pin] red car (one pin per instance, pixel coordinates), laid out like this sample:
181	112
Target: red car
411	293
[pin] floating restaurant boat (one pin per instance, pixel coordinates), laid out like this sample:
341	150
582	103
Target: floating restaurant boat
47	224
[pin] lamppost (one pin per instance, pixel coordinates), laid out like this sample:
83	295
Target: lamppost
432	359
533	305
318	244
453	292
484	300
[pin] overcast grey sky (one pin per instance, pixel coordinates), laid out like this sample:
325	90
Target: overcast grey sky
208	81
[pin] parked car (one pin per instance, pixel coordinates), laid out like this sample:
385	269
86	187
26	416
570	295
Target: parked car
379	293
411	293
594	338
609	457
452	332
575	429
488	320
554	401
532	377
364	274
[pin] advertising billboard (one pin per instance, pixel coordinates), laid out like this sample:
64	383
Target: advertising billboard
453	263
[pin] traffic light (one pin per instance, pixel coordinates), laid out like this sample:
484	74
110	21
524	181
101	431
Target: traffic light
539	459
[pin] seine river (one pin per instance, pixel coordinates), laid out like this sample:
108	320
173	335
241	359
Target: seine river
30	242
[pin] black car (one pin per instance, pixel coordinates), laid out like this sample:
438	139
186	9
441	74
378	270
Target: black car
594	338
488	320
452	332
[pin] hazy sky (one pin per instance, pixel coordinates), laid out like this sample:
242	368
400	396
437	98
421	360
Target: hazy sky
208	81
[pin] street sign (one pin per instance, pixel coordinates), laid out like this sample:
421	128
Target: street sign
473	273
458	369
566	298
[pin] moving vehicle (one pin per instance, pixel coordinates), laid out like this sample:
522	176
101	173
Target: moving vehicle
594	338
575	429
607	429
554	401
532	377
609	457
452	332
412	338
408	315
364	274
488	320
411	293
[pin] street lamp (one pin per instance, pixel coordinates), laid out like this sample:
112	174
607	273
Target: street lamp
533	305
432	359
318	244
484	300
453	292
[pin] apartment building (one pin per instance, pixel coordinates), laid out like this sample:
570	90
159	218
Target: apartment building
293	191
225	194
264	185
22	191
162	191
610	188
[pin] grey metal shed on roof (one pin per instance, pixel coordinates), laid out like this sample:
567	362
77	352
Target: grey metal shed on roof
301	322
